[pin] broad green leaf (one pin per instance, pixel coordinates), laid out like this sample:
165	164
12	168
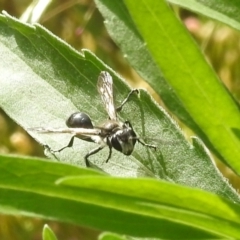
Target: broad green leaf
225	11
137	207
43	81
48	234
149	196
121	27
190	88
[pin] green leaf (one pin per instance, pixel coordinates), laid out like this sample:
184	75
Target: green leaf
111	236
190	88
137	207
121	27
48	234
225	11
161	199
43	81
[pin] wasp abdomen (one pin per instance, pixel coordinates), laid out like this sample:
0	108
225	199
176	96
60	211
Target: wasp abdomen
79	120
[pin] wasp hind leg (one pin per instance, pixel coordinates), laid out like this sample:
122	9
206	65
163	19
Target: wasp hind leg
70	144
118	109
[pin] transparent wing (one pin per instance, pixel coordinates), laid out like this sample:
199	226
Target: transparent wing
75	131
105	89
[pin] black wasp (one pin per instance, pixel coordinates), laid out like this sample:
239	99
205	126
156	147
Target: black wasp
113	133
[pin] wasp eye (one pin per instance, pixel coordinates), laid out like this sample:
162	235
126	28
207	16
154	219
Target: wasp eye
116	143
79	120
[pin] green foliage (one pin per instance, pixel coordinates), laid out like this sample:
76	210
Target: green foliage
111	236
48	234
67	80
141	207
189	88
224	11
44	80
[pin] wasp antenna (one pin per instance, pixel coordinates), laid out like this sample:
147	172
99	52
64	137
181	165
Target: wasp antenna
147	145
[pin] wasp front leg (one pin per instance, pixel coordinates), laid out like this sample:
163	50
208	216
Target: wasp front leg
118	109
94	151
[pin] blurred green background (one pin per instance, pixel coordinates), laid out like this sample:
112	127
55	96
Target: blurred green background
79	23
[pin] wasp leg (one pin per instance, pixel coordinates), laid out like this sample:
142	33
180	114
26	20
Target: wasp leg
51	151
110	154
118	109
147	145
70	144
95	150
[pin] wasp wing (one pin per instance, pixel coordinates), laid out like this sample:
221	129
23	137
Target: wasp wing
84	132
105	89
